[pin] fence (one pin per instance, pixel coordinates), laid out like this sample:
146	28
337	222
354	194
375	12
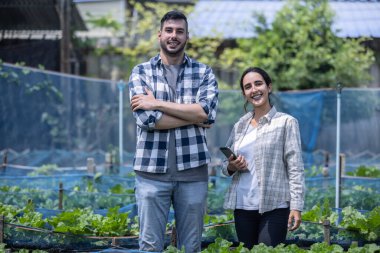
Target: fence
42	110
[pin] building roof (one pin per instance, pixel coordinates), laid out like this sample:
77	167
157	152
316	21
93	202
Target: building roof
20	18
234	18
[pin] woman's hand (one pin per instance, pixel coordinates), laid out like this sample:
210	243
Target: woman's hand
294	220
238	164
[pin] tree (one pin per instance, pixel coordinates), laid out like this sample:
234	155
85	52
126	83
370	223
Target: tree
301	51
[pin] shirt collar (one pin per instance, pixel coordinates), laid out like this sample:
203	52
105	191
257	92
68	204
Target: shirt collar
268	117
158	61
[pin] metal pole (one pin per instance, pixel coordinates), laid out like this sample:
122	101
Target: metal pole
121	85
337	168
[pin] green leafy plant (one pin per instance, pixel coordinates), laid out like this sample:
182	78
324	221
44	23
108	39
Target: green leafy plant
356	225
220	226
324	248
85	222
114	223
45	170
223	246
172	249
107	22
24	216
365	171
313	171
90	196
366	226
319	213
119	189
358	196
368	248
31	218
9	212
3	250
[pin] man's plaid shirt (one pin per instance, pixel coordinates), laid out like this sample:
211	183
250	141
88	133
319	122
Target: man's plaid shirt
196	84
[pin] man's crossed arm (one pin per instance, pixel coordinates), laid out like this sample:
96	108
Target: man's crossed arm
174	114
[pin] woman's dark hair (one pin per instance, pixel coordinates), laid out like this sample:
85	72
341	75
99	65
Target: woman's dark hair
173	15
260	71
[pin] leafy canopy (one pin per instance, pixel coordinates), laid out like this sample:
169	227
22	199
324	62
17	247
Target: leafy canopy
301	51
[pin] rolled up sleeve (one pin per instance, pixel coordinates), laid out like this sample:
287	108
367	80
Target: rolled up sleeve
208	95
144	119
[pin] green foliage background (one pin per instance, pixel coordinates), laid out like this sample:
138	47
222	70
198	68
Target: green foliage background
299	49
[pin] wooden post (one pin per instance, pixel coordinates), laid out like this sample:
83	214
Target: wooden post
326	231
114	242
91	168
5	160
116	165
1	228
173	239
325	170
60	196
342	163
108	163
212	170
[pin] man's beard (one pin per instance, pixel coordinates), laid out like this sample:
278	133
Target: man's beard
174	53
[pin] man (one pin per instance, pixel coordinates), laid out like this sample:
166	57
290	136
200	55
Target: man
174	99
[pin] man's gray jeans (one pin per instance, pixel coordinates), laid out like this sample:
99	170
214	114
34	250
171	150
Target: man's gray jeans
153	202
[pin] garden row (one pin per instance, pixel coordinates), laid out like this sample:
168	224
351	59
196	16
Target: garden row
24	223
104	192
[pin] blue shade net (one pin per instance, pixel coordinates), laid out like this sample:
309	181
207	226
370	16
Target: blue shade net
59	121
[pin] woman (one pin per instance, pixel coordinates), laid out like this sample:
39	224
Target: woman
267	189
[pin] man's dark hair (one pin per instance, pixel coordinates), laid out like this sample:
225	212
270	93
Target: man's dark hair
174	15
